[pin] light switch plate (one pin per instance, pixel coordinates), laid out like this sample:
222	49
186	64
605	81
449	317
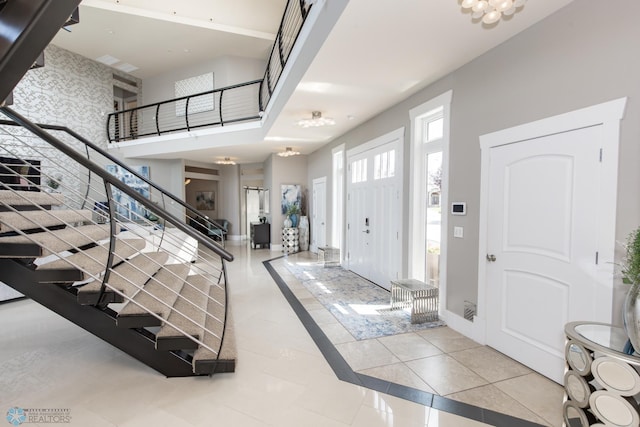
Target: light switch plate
458	232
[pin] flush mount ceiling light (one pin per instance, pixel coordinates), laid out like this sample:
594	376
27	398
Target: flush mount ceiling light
490	11
288	152
316	120
226	161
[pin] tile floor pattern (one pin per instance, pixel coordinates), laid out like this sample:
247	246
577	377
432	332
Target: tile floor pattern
281	379
439	361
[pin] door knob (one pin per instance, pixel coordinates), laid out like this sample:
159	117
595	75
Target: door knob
491	258
366	231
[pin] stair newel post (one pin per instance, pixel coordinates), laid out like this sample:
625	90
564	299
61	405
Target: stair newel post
112	242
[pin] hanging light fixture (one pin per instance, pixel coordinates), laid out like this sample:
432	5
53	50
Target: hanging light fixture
490	11
288	152
316	120
226	161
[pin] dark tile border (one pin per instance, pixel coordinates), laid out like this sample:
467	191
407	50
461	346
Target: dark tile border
344	372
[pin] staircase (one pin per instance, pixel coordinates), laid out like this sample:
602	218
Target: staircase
111	252
119	262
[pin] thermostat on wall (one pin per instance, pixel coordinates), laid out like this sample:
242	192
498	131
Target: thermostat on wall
458	208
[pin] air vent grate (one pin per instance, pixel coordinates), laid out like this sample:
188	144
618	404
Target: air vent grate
470	310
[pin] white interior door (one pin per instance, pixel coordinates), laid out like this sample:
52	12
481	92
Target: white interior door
359	211
319	216
374	213
542	232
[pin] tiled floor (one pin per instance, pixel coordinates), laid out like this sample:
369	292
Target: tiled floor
438	361
282	378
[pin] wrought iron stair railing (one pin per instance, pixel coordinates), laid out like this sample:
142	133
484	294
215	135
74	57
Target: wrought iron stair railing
219	107
75	168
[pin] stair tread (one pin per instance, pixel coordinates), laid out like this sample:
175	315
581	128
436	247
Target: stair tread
27	220
92	261
129	276
193	303
165	285
215	325
62	240
28	198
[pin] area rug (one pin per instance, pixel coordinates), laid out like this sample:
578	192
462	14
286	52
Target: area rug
362	307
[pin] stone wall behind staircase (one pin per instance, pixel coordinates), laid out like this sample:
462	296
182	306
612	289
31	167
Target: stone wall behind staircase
72	91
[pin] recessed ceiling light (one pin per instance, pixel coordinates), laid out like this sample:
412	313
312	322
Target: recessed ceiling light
127	68
107	59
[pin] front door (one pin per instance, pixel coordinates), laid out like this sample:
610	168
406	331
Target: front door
374	213
319	216
542	231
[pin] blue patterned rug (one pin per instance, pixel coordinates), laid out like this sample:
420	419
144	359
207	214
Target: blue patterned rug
362	307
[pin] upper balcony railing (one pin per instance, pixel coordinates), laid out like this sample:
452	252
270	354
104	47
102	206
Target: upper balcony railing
232	104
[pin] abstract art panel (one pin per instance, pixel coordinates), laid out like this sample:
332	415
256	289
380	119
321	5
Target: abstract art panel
126	207
206	200
291	195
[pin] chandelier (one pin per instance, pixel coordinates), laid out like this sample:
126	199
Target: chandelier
288	152
492	10
226	161
316	120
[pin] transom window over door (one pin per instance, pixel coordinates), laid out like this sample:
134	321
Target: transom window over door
384	165
359	171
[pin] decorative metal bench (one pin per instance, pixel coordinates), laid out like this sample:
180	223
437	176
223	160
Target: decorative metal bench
421	298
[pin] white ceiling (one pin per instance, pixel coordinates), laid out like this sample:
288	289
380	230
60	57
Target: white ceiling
379	52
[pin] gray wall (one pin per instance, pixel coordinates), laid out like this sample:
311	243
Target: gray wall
229	196
227	71
69	90
277	171
573	59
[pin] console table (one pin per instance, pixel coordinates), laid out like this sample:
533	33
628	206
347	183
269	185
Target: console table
260	234
600	381
290	240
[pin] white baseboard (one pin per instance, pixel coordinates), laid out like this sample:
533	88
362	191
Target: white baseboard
473	330
235	237
275	247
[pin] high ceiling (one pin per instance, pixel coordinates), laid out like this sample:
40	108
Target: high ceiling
379	52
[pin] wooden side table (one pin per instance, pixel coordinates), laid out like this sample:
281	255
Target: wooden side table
290	240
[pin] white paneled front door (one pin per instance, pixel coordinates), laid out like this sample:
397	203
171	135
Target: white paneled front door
374	212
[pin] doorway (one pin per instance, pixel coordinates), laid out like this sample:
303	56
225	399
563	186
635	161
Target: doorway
319	215
548	205
254	205
126	125
374	209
